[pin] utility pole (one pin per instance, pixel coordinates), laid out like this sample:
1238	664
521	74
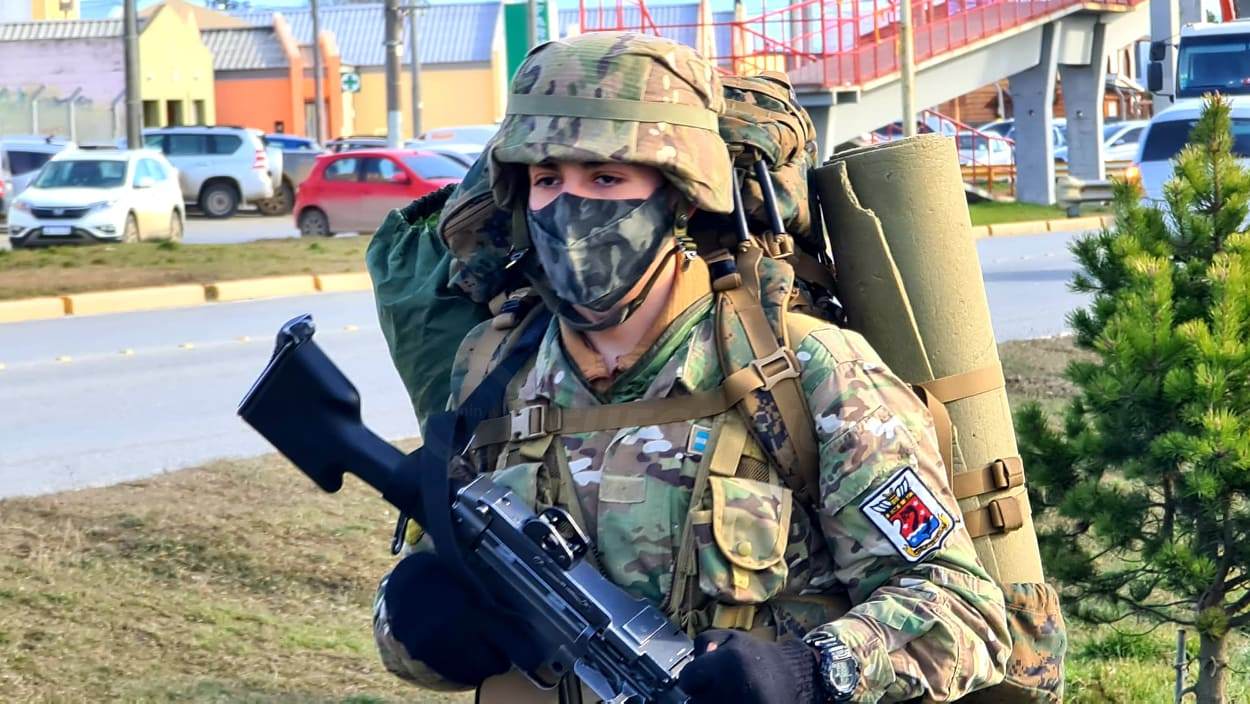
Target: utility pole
394	46
907	67
319	100
531	25
134	102
415	68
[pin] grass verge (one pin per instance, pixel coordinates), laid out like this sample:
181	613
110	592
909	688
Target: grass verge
54	271
992	213
240	582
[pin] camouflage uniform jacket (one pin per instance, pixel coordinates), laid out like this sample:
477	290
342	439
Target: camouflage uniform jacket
930	626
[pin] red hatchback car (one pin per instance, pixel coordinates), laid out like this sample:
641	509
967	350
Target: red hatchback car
353	191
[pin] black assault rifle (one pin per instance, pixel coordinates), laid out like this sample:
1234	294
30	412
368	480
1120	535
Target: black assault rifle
561	615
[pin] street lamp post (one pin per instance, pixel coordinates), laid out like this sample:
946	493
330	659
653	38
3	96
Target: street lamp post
394	47
134	102
415	12
318	97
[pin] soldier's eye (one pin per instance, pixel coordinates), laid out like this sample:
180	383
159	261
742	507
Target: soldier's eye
608	180
546	181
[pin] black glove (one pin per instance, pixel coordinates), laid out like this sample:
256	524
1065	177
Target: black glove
430	613
745	669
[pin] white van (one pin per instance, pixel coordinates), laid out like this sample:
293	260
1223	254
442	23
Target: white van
1169	131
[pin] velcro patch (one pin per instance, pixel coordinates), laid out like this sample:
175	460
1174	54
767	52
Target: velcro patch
909	516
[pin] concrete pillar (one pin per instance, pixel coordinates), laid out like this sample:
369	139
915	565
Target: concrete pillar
1083	88
1165	26
1032	99
822	118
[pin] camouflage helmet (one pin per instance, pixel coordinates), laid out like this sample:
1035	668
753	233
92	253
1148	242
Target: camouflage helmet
617	97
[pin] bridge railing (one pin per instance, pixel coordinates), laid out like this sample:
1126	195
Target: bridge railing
826	43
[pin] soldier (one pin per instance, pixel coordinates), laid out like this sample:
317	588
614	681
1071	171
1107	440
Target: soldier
871	592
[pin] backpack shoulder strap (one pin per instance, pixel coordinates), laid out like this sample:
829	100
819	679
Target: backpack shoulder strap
777	412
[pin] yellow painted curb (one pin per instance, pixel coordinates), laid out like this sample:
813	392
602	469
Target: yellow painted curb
267	287
1090	222
133	299
334	283
1012	229
980	231
31	309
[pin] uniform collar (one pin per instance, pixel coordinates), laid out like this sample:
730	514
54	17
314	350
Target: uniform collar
690	286
556	377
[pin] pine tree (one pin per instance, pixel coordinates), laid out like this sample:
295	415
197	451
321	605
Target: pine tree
1143	490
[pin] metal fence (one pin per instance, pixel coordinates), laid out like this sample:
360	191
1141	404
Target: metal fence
79	120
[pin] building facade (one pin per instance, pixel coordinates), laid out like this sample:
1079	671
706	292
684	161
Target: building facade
67	78
463	77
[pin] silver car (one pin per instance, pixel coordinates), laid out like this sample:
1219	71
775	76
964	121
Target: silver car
219	167
20	161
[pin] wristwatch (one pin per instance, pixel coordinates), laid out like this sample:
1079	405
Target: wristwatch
839	670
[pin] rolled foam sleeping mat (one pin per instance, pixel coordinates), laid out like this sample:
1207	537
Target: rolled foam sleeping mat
910	279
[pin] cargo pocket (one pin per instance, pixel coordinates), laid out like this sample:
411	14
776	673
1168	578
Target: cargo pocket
740	541
1039	644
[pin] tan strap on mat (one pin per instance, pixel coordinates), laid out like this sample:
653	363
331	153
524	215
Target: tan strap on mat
955	387
1004	473
998	516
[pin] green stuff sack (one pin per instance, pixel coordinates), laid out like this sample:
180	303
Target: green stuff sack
422	319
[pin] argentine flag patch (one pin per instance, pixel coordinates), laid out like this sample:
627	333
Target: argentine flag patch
700	436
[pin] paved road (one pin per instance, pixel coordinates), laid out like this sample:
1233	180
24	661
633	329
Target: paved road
97	400
244	227
94	401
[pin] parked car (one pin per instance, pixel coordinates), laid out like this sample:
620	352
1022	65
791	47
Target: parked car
353	191
292	142
100	196
1007	128
463	154
1167	133
219	167
462	134
298	156
351	144
1119	141
20	161
984	149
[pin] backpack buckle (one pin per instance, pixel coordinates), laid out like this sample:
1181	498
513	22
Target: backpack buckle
531	422
778	366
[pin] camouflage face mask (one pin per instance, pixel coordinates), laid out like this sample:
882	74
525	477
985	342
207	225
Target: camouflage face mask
594	251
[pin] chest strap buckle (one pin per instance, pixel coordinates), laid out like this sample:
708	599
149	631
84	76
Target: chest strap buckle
778	366
533	422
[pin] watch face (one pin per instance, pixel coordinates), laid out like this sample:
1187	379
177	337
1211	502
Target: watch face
843	675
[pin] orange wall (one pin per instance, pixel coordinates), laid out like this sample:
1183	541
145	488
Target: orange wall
257	102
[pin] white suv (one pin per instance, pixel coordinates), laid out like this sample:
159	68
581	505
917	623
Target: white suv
108	195
1167	134
219	167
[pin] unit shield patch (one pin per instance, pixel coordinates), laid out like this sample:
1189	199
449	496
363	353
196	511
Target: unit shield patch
909	515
